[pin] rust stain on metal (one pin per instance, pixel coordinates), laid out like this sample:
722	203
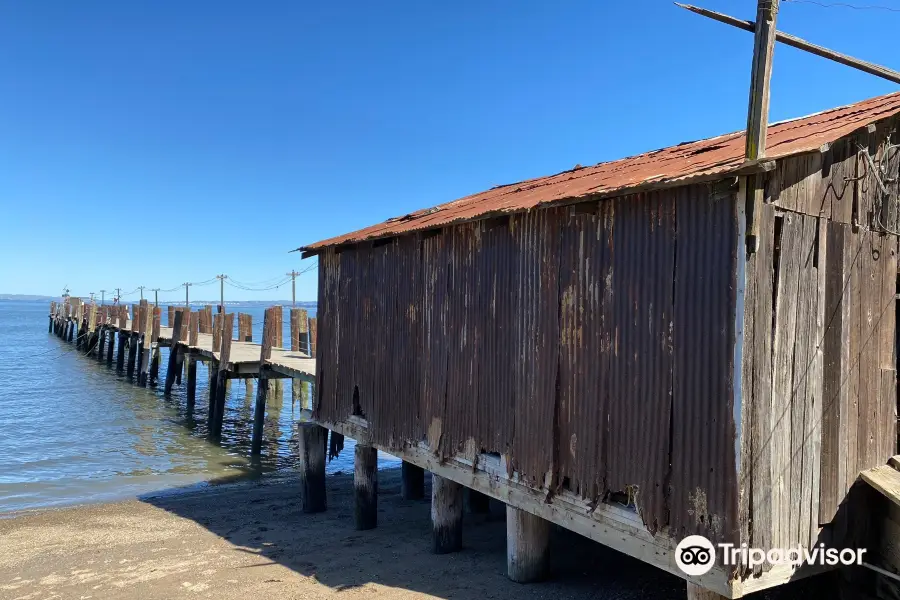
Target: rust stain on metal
590	345
672	166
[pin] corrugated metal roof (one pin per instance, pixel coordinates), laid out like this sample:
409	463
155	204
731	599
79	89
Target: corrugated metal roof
668	166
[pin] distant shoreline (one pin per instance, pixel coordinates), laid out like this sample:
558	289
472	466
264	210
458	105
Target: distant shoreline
300	303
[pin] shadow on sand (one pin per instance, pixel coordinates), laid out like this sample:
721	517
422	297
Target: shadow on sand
263	518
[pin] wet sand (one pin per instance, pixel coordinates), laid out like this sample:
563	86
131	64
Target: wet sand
251	540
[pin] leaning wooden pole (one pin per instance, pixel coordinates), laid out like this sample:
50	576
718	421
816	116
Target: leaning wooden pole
801	44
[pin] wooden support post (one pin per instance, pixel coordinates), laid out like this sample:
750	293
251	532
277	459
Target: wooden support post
365	487
110	347
262	386
71	334
259	411
191	382
695	592
299	339
412	481
312	441
120	356
153	376
147	345
213	368
245	334
527	546
477	503
446	514
276	387
173	355
222	378
133	340
101	342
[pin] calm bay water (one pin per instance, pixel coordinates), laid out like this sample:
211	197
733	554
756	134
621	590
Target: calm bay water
72	431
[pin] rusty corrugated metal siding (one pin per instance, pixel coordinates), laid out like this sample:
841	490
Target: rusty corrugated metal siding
590	344
704	479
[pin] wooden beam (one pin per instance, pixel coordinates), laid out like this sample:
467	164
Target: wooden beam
801	44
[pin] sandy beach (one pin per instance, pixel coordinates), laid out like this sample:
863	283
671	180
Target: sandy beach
250	540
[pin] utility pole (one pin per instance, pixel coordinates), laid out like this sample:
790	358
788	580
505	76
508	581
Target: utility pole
293	276
119	295
155	296
140	287
92	297
758	112
102	297
186	285
222	279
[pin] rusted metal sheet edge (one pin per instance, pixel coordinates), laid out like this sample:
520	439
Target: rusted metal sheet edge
740	283
609	194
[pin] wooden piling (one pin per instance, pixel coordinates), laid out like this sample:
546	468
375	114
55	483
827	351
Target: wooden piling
132	353
527	546
276	388
313	332
123	335
191	360
299	343
221	390
191	383
91	329
365	487
412	481
213	370
147	345
110	346
173	354
446	514
245	334
153	376
262	386
312	439
101	341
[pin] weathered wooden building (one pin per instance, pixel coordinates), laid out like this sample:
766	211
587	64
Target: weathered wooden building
602	348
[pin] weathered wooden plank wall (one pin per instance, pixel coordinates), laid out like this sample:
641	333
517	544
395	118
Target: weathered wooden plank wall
819	370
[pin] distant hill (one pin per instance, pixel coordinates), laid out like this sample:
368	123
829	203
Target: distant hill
27	297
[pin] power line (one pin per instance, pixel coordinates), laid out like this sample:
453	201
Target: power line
845	5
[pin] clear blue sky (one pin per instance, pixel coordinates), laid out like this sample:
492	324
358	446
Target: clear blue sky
157	142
